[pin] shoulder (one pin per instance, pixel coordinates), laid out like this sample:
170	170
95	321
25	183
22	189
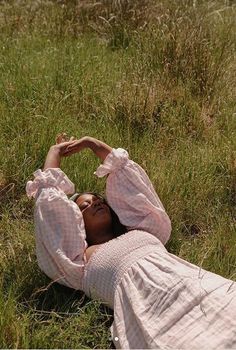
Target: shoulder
90	250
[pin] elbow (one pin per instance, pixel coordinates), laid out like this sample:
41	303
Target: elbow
167	228
160	226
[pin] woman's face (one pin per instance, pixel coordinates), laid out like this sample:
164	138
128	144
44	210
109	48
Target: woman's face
96	215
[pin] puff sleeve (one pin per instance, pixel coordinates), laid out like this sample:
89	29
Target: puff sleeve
132	196
59	228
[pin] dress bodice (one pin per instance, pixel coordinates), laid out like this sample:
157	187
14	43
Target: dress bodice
112	259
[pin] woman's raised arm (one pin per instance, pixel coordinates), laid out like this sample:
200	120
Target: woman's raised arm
132	196
129	190
59	226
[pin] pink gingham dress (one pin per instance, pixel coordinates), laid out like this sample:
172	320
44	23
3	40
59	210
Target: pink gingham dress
159	300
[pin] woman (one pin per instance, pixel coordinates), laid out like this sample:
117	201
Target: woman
159	300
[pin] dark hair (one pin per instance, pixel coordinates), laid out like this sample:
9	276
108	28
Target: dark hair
117	227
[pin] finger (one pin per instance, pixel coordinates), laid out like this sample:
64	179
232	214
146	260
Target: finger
65	137
62	137
58	138
68	143
72	144
69	153
72	138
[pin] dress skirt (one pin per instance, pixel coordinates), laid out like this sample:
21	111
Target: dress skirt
165	302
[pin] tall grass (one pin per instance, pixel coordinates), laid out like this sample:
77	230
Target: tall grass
154	77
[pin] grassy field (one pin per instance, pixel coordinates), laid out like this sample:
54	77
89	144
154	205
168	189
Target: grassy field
154	77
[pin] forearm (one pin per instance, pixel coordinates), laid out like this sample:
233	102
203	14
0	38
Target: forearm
100	148
53	159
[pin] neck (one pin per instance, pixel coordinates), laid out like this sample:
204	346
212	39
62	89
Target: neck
100	236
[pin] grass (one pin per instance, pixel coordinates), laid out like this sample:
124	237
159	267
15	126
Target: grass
156	78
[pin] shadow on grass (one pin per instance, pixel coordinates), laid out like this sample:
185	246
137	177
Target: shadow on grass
62	300
56	303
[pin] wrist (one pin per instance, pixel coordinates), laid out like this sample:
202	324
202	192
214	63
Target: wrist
54	150
100	149
87	142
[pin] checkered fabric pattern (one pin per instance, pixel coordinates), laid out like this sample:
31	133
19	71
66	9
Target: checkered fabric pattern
59	226
164	302
132	196
159	300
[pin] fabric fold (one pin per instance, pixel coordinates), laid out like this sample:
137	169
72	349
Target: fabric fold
59	228
132	196
116	159
52	177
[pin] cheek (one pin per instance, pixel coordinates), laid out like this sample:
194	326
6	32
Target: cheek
87	218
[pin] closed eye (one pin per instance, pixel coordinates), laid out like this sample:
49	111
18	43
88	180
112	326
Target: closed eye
84	206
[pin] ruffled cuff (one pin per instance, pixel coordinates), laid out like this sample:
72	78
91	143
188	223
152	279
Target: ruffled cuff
115	160
52	177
